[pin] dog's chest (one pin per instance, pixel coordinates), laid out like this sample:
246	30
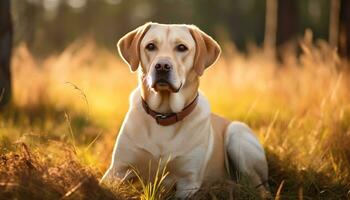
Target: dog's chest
176	149
170	141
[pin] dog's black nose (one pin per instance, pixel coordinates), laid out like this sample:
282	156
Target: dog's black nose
163	66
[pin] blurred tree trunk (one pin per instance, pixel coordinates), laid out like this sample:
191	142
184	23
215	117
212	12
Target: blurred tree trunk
287	23
280	26
270	26
287	19
5	51
334	23
344	28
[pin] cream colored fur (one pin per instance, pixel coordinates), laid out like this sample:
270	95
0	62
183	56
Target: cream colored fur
199	148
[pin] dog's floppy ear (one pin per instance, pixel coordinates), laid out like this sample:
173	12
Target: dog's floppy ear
129	46
207	50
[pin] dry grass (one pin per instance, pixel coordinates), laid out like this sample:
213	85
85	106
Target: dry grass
57	137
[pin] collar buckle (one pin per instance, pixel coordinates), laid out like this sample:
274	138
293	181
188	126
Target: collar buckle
160	117
170	118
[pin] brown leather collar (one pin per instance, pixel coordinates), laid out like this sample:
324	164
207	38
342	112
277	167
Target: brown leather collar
170	118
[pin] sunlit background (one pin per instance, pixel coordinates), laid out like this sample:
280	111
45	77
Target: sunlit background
50	25
283	71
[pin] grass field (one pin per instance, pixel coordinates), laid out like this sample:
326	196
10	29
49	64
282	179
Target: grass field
57	136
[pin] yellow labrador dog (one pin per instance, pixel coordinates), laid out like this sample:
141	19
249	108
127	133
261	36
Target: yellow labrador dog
170	120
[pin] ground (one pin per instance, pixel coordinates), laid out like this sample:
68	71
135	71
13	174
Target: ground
57	136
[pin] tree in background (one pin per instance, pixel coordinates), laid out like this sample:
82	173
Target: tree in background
344	28
287	20
333	36
339	26
59	22
280	25
5	51
286	32
271	26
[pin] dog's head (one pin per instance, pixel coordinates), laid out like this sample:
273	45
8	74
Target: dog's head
170	57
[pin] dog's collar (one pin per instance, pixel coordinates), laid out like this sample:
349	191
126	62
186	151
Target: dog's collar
170	118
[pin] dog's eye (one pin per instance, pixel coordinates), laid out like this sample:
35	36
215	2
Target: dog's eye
181	48
151	47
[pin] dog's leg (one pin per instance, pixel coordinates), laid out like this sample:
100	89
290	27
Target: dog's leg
116	175
190	172
186	187
248	156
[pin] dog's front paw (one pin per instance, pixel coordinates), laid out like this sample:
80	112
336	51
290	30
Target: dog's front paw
185	189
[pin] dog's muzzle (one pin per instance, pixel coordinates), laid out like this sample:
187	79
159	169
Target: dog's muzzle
162	77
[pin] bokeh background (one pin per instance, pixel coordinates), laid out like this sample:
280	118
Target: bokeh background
284	70
60	22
